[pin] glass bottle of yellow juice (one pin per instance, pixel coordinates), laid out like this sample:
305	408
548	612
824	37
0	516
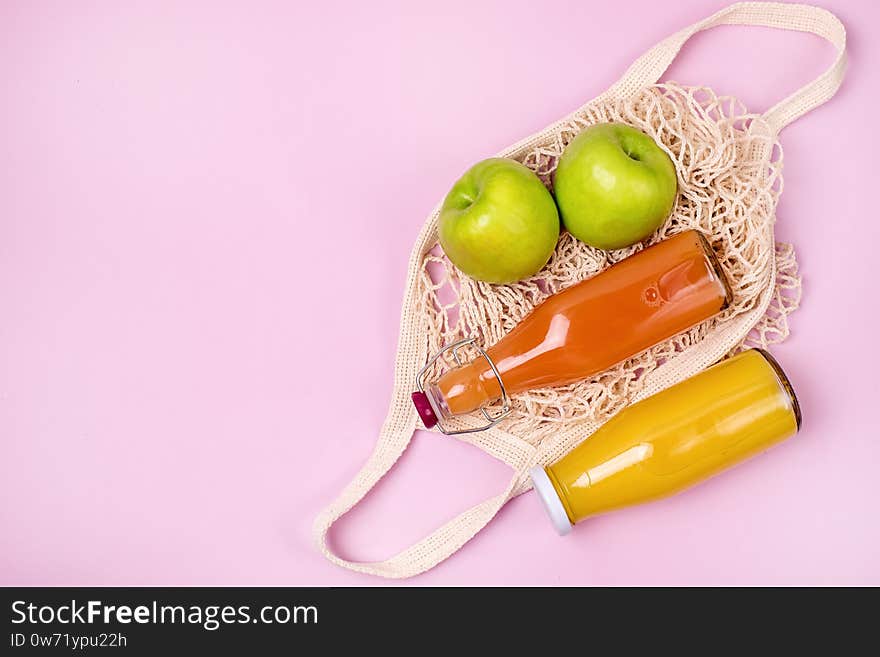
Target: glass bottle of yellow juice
673	440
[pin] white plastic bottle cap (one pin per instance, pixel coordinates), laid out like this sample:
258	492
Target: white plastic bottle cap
550	499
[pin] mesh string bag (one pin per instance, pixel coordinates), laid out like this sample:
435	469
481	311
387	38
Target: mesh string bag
729	164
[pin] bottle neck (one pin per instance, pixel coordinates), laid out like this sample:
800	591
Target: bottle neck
463	390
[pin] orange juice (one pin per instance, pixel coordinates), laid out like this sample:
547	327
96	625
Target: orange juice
590	326
672	440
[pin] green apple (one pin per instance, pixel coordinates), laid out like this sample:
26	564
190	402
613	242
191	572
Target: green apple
499	222
614	186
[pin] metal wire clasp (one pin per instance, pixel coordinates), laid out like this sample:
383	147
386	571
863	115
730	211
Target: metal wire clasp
491	420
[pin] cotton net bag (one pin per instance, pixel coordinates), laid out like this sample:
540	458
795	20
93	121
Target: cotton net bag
729	176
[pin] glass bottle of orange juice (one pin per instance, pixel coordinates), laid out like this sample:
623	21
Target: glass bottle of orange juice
586	328
673	440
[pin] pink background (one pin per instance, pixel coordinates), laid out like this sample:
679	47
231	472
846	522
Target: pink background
206	211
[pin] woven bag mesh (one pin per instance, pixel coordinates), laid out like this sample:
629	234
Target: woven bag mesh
729	178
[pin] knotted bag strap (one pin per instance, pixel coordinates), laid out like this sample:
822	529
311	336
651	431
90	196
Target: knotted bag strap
412	349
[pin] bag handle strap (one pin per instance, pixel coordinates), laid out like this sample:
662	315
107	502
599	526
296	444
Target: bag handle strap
429	551
648	68
437	546
395	437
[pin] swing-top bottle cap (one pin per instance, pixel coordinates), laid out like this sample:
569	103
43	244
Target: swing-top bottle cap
550	500
424	409
429	401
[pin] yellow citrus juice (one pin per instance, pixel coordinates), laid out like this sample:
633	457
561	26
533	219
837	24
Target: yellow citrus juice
674	439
